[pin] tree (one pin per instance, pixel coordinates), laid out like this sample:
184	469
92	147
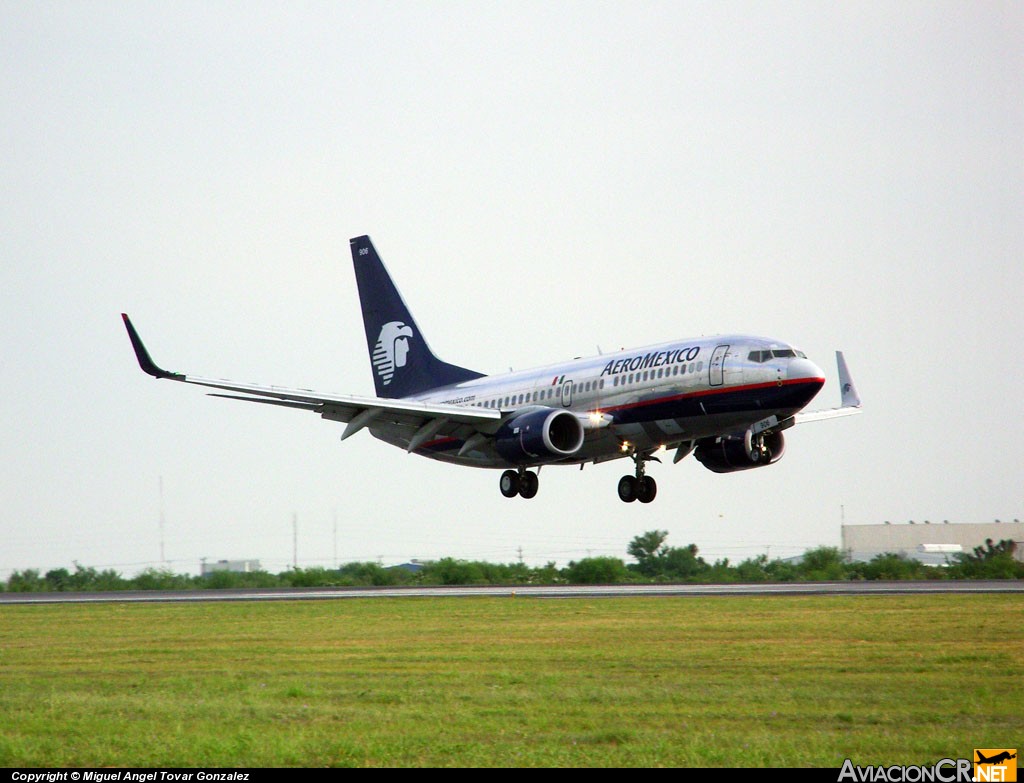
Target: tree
58	579
449	571
369	573
27	581
892	566
159	579
681	562
310	577
992	561
824	564
754	570
646	549
597	571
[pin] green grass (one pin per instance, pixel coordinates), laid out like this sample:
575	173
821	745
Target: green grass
715	681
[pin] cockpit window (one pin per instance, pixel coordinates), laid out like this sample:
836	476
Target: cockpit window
777	353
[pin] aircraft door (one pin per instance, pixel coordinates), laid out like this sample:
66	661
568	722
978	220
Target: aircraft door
716	367
567	394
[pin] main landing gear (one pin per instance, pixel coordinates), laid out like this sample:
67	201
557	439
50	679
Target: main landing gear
519	482
641	486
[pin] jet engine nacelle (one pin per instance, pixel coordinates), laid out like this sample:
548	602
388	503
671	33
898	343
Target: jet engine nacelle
542	435
741	451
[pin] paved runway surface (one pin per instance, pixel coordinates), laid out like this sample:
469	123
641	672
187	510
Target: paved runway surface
522	591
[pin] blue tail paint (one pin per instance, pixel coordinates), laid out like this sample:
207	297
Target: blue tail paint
402	362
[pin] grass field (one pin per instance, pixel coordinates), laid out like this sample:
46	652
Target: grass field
714	681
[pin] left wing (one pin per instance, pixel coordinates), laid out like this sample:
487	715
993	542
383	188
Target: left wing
423	420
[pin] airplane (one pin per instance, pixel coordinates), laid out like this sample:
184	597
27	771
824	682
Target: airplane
996	759
725	399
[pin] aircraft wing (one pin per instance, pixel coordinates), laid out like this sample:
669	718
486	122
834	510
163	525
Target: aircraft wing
849	403
424	420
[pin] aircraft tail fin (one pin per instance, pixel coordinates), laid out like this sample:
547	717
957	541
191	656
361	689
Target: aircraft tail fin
402	362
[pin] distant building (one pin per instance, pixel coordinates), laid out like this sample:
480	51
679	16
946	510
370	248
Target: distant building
413	567
238	566
932	543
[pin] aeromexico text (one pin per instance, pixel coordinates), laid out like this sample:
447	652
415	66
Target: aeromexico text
655	359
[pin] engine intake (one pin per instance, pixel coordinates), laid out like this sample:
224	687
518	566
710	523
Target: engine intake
741	451
542	435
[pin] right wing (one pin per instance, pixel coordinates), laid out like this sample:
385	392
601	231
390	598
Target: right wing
849	403
424	421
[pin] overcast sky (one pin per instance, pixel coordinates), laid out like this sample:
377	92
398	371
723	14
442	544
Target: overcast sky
542	179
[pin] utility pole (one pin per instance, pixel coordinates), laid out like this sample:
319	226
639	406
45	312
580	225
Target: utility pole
163	560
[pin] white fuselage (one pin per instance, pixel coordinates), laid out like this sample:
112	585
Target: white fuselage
659	395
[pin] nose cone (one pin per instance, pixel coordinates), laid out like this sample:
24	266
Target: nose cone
804	370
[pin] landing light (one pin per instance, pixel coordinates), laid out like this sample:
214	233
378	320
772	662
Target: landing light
625	445
596	417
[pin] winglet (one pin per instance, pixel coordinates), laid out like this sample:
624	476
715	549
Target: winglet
849	401
145	361
850	398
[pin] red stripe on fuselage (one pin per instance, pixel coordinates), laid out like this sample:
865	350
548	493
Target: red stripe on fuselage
671	398
710	392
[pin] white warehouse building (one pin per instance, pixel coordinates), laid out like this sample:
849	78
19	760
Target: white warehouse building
237	566
934	543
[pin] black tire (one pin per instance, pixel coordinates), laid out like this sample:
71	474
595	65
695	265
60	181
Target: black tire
646	489
627	489
529	483
509	484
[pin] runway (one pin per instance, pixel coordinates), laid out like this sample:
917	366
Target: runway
521	591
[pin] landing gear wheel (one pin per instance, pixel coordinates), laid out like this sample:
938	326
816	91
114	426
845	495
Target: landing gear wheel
641	486
627	489
509	484
528	484
646	489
